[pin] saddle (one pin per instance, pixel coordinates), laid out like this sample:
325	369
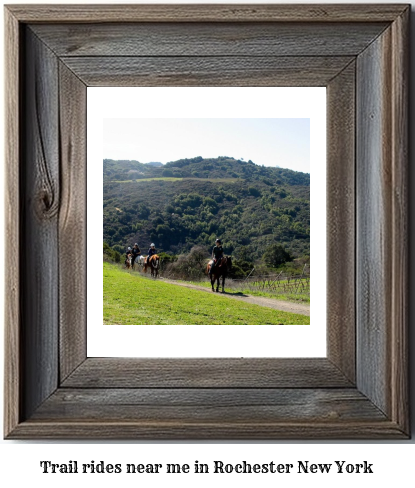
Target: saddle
216	262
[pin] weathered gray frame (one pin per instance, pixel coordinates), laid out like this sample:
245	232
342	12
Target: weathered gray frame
359	52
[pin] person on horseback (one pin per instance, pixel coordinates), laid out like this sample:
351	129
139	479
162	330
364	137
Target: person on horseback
151	251
127	255
135	251
217	255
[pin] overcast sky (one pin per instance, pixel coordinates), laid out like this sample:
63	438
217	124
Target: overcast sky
283	142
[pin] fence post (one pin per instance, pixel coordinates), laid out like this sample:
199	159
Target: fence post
301	277
249	274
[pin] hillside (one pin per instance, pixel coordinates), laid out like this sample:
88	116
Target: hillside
192	201
221	167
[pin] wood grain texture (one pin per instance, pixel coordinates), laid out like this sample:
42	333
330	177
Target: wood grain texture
400	262
39	251
375	221
201	39
206	373
207	71
12	371
206	13
89	430
382	222
152	428
207	399
72	222
341	238
209	405
373	226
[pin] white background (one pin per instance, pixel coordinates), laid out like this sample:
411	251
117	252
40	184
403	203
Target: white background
211	102
392	462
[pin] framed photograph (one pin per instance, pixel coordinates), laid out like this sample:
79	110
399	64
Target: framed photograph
55	55
173	182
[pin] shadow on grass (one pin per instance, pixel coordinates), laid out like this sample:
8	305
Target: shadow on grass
233	293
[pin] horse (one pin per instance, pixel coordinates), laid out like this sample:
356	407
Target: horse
221	269
129	261
154	263
139	261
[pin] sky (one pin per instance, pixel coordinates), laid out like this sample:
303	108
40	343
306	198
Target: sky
283	142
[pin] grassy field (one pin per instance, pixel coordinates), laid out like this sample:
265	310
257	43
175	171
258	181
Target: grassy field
161	178
172	178
131	298
252	290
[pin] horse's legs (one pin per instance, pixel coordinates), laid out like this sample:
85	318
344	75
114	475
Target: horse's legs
217	283
212	278
223	283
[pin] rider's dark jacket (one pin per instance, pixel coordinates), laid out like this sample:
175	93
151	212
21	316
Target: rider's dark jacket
135	252
151	251
217	252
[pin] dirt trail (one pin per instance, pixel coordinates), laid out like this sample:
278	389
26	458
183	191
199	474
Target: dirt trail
282	305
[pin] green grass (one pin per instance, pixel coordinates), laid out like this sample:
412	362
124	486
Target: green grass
147	179
215	180
289	297
171	178
130	298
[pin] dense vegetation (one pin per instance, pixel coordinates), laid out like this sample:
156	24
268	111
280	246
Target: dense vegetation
257	211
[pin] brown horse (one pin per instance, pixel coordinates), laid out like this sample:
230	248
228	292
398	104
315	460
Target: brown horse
154	263
221	269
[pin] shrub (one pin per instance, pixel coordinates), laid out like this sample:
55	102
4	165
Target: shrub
111	254
275	255
190	266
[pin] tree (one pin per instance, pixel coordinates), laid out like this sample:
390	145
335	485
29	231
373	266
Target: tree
192	265
275	255
168	173
112	254
254	191
197	257
245	254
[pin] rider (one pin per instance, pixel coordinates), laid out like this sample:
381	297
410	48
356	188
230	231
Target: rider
217	254
151	251
135	252
127	255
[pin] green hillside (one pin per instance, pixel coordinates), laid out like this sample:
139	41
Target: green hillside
131	298
192	201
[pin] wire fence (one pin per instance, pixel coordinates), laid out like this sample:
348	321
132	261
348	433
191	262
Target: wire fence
278	282
275	283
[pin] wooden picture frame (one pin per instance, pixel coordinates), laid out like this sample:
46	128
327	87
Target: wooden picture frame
360	53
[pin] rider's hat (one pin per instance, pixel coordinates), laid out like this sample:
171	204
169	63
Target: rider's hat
152	244
135	244
218	240
129	249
